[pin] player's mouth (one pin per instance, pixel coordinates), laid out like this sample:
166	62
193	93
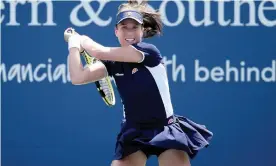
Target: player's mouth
130	40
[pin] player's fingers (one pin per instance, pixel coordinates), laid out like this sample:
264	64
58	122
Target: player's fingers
68	33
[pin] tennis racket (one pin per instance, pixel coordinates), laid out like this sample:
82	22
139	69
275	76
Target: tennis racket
104	86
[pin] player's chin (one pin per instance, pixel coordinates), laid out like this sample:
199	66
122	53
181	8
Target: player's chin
125	44
131	43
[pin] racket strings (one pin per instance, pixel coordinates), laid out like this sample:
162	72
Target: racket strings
105	87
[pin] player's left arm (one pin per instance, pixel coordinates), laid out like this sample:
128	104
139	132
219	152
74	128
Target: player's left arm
80	75
121	54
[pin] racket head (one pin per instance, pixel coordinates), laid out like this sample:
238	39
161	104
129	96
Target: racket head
104	86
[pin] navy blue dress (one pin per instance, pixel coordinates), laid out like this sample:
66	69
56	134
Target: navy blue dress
149	123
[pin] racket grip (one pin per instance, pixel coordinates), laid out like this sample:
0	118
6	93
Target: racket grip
86	57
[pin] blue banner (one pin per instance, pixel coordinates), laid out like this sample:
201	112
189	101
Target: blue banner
220	58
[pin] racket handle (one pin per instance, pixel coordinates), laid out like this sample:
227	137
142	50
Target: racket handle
88	59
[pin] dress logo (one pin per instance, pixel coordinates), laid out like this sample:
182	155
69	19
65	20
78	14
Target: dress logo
119	74
134	70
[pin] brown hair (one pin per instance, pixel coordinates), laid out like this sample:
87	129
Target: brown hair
152	22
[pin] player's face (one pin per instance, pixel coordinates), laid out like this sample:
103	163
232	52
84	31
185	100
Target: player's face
129	32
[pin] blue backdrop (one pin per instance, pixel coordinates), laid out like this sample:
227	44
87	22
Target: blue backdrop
221	74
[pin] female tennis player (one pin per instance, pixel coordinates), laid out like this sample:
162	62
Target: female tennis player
150	126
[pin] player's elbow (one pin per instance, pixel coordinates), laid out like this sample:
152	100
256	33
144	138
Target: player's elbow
76	80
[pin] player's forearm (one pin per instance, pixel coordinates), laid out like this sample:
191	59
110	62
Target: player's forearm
93	48
120	54
75	66
80	75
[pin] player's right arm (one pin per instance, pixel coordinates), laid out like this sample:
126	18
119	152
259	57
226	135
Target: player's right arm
80	75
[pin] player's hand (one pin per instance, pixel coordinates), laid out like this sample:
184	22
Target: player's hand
68	33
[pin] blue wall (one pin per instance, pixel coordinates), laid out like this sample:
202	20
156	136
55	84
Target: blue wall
48	121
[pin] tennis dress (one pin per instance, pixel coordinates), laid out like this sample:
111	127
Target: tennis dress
149	122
